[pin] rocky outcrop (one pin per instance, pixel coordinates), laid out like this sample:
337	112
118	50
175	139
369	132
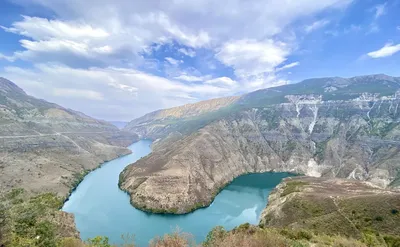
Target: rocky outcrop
45	147
322	134
344	207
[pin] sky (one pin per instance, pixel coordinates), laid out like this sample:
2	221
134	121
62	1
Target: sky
117	60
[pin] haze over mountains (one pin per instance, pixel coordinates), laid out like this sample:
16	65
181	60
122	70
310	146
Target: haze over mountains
45	147
329	127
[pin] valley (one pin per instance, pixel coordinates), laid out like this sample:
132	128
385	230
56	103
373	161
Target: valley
345	128
342	134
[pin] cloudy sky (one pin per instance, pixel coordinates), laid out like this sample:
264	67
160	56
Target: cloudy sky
117	60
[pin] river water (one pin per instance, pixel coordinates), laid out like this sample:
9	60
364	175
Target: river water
101	208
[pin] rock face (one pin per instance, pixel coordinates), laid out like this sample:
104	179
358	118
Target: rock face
330	127
344	207
45	147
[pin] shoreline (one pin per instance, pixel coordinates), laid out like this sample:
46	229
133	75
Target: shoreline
199	205
84	173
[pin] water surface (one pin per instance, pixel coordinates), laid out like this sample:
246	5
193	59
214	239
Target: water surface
101	208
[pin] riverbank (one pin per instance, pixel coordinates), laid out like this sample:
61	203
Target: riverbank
79	177
196	206
101	208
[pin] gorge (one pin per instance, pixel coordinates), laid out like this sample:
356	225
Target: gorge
101	208
223	155
327	127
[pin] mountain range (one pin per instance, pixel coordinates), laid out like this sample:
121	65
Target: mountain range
325	127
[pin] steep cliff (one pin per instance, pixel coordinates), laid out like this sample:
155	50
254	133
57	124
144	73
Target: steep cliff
45	147
347	128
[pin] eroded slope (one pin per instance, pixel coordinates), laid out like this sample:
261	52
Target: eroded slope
45	147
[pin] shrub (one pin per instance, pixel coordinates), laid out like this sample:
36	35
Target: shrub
176	239
45	236
214	235
392	241
98	241
70	242
292	186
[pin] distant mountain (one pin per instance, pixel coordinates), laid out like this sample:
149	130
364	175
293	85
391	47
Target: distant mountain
46	147
325	127
119	124
162	122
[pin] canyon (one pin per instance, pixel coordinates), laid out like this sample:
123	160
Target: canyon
326	127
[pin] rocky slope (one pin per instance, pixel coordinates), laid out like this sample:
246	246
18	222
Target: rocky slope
45	147
333	206
329	127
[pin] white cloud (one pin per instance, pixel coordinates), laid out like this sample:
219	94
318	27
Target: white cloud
76	93
8	58
112	43
288	66
380	10
386	51
189	78
101	46
254	62
173	61
187	52
103	49
55	45
226	81
261	81
132	26
316	25
41	28
352	28
250	57
121	87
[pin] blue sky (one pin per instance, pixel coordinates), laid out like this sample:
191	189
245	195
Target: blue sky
118	60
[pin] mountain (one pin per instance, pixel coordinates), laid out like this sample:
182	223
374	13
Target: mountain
325	127
118	124
46	148
183	119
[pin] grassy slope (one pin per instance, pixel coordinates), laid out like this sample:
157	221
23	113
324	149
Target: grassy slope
354	211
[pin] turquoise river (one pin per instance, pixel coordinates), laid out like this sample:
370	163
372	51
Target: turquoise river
101	208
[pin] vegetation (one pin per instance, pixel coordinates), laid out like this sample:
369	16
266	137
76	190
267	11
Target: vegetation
251	236
31	222
78	178
292	186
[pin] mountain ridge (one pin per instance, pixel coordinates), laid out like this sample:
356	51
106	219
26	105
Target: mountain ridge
45	147
308	128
